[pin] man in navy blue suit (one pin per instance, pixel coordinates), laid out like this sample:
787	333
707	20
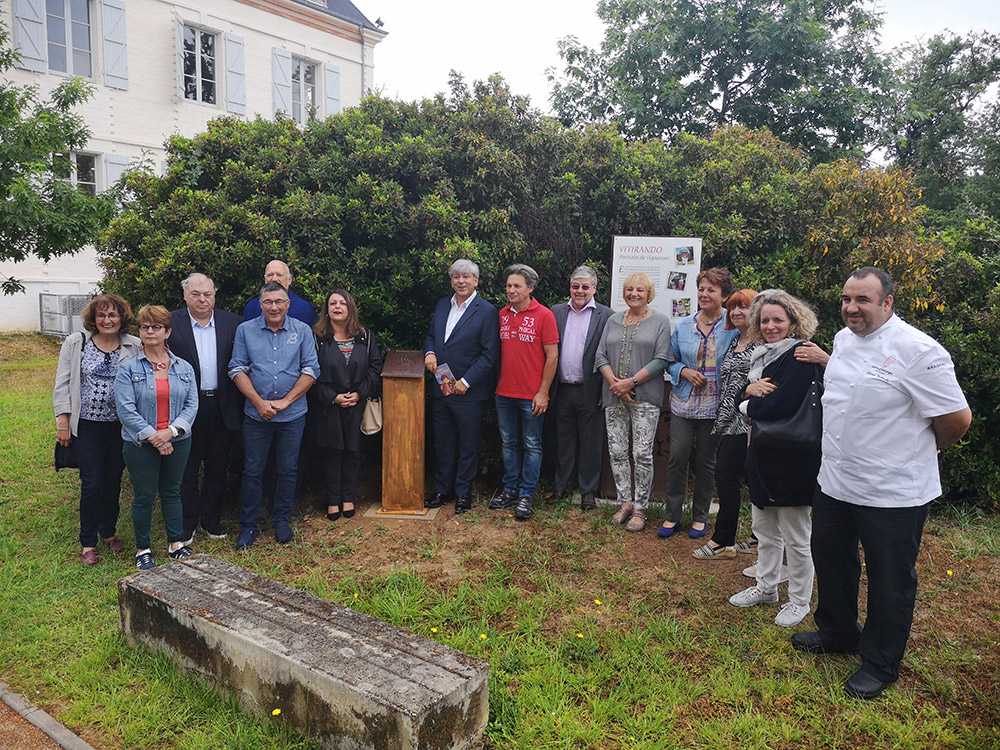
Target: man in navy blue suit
204	337
464	336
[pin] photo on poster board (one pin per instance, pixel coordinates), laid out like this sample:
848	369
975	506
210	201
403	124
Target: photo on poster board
672	263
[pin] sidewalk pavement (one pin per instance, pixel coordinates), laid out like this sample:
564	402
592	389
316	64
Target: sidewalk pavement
26	727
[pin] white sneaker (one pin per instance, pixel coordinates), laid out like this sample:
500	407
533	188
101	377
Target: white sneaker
751	572
791	615
752	596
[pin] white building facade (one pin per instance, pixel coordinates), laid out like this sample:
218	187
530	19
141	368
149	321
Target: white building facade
161	68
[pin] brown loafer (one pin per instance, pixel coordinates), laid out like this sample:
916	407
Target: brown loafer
637	522
115	543
623	514
89	557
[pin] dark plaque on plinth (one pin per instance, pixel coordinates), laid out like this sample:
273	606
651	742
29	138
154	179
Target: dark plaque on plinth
403	433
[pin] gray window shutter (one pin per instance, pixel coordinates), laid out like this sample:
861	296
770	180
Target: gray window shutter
29	34
117	166
332	83
236	78
115	50
282	72
179	54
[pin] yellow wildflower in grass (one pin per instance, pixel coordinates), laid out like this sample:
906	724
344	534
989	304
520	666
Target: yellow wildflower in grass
950	573
482	636
434	630
579	635
275	712
597	602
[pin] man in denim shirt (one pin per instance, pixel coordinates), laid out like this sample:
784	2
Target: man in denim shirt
274	363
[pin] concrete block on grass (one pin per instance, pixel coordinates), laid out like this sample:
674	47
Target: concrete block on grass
347	679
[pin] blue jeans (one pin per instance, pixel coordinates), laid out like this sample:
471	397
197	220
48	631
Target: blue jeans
520	431
257	439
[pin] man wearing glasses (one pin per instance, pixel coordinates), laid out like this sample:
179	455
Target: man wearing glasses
204	337
577	388
274	363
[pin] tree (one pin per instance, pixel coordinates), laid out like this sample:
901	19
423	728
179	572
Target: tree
41	213
806	69
934	125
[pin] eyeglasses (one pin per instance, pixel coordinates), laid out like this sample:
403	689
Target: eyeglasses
107	316
151	329
273	302
577	287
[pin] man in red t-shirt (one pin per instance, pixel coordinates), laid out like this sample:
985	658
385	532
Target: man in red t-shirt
529	348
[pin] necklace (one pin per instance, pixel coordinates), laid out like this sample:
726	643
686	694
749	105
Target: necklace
160	366
624	361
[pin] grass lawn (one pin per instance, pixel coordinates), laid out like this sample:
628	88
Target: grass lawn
596	638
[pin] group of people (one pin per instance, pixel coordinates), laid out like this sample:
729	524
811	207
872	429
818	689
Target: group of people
170	404
749	392
837	450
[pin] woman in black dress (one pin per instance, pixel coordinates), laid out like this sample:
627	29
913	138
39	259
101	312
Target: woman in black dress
350	366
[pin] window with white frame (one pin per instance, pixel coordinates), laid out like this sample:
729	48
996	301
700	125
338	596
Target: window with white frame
303	90
79	170
67	29
200	49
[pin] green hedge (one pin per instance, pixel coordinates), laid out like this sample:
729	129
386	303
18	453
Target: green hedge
382	198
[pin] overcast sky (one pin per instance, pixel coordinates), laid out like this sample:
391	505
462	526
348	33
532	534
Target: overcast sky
517	38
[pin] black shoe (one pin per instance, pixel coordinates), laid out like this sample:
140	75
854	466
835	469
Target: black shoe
587	501
505	500
816	643
348	513
437	501
333	516
865	686
283	532
462	504
523	510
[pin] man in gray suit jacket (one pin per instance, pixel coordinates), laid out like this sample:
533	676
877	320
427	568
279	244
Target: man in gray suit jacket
577	388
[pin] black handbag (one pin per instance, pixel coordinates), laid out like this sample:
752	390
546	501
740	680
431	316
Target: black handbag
65	457
804	426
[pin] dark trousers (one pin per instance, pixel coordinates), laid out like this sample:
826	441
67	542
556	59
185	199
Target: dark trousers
210	443
340	468
579	440
729	476
891	540
150	471
258	437
456	444
98	448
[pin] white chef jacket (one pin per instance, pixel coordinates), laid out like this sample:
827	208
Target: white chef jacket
879	449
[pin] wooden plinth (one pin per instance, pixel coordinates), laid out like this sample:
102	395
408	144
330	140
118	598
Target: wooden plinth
403	433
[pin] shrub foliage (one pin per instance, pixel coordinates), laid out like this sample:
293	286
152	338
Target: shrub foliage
382	198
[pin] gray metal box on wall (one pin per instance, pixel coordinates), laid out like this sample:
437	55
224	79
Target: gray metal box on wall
59	314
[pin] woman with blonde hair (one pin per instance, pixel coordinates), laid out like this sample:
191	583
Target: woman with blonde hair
632	357
781	472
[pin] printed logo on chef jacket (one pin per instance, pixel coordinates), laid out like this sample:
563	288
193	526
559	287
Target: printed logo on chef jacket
882	372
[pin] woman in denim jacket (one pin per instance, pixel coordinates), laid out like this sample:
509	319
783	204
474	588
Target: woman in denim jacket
157	400
698	342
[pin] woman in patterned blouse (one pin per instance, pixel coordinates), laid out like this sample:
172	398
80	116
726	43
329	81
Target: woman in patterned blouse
84	402
731	429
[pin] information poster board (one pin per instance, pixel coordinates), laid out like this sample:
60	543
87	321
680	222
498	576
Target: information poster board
673	263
